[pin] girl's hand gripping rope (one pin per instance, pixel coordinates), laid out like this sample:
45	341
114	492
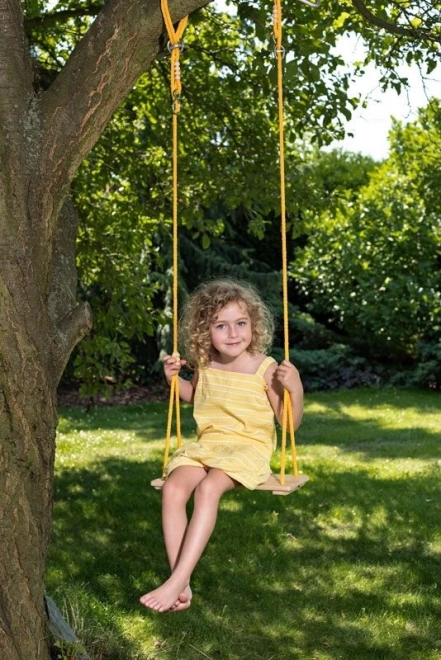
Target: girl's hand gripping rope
173	365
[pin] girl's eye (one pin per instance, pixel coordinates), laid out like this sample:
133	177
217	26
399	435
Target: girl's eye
219	326
242	323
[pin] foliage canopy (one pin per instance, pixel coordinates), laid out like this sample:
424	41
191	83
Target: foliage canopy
228	161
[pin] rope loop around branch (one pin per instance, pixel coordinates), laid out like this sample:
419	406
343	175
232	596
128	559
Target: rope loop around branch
175	47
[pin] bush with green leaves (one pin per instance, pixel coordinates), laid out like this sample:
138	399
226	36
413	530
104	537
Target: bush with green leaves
426	372
371	268
336	367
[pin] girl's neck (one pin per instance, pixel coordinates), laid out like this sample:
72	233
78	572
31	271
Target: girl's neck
245	363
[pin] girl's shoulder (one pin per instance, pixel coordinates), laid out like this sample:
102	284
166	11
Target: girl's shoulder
261	365
267	367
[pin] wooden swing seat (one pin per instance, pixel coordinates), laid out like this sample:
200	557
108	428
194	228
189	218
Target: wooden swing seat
273	484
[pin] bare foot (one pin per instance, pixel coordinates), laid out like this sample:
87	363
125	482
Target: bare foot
165	597
184	601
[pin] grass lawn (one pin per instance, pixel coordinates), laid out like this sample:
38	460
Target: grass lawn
347	567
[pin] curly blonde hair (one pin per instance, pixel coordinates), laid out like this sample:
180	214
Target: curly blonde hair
203	306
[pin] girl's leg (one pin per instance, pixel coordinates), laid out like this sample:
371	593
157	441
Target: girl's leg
206	502
176	492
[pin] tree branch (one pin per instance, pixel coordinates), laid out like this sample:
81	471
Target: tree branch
15	90
62	282
44	21
75	325
70	322
120	45
413	33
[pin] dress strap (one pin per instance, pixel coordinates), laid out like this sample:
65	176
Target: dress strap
264	365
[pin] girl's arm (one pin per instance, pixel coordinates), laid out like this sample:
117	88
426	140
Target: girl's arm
281	377
172	367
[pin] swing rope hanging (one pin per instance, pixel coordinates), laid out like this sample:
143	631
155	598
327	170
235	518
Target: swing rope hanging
175	47
279	484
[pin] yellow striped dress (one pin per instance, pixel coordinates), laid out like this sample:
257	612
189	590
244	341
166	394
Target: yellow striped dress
235	426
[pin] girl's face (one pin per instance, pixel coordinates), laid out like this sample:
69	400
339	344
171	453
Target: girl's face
231	331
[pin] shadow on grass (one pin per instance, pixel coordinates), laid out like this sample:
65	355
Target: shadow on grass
345	568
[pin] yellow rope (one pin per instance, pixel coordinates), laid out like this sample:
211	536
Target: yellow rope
175	47
287	418
175	83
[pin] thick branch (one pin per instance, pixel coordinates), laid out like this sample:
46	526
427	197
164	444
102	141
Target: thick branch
119	46
15	93
62	283
75	325
420	34
15	69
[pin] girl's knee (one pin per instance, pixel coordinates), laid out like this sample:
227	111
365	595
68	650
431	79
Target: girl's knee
172	490
177	489
207	491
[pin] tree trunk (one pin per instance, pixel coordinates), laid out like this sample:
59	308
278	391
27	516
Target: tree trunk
44	136
31	365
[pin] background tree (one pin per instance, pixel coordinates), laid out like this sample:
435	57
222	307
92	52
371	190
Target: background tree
228	176
228	156
371	268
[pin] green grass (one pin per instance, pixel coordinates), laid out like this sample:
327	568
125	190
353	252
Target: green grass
348	567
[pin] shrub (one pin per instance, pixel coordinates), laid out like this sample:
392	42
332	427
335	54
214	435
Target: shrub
331	368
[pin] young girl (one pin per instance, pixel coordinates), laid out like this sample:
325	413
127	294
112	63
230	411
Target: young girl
236	390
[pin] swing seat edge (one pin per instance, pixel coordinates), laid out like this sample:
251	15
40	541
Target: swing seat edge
273	484
292	482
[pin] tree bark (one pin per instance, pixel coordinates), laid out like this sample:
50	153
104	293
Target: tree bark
43	139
